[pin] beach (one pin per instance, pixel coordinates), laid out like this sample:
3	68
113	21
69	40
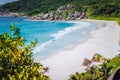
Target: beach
104	41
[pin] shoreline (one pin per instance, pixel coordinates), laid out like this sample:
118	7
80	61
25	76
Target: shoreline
104	41
71	29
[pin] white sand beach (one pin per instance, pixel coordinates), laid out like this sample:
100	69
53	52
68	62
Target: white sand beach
104	41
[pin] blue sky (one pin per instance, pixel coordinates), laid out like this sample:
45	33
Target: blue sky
5	1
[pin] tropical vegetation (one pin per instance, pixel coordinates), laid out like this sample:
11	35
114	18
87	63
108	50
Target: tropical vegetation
95	9
16	61
101	72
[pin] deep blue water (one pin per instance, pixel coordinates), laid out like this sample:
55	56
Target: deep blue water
52	36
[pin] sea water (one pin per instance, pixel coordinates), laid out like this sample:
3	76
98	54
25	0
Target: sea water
52	36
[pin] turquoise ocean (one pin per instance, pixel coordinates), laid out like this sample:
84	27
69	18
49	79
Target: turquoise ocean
52	36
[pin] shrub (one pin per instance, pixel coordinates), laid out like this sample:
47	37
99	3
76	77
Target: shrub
16	61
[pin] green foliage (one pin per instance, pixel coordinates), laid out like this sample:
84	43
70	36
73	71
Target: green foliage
33	7
93	73
115	63
16	61
106	18
98	73
100	9
65	15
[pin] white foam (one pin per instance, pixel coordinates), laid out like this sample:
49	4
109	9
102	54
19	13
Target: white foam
78	25
42	46
61	34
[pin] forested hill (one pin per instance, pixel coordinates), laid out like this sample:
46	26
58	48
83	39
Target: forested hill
93	8
34	6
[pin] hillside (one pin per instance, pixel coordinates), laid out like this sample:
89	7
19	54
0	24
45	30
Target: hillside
95	9
32	7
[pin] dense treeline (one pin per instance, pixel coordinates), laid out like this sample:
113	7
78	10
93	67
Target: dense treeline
32	7
105	8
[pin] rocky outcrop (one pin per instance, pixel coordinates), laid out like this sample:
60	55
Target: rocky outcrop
86	62
115	75
77	15
62	13
12	14
65	8
96	58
